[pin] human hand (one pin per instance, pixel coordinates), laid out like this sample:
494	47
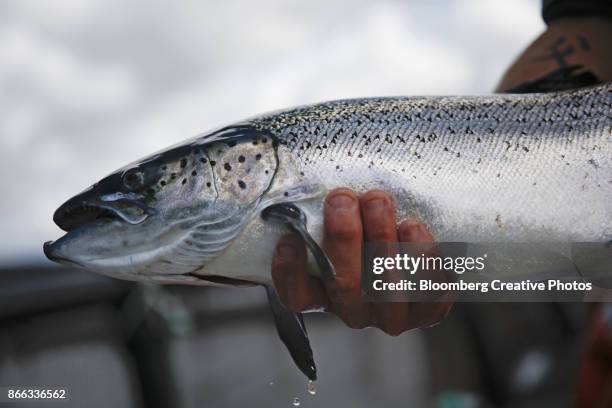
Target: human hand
348	221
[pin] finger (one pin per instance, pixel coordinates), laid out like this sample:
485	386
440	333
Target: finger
296	289
411	231
414	232
342	243
378	214
424	314
343	233
414	315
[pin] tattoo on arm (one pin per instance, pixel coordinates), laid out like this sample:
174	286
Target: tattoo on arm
561	49
584	44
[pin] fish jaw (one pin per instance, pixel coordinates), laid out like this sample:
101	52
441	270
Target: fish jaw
116	248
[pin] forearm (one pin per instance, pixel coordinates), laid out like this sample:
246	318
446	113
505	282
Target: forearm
583	41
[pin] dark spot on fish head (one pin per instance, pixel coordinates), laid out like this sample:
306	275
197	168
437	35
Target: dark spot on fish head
227	167
258	156
194	173
241	159
183	163
241	184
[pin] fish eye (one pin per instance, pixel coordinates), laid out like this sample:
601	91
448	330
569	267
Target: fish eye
133	179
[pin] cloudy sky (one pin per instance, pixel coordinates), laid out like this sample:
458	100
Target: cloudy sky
89	85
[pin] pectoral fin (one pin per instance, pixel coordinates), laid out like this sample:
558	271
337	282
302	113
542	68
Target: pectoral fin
292	332
292	217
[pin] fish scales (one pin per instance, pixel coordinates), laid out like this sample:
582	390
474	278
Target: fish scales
501	167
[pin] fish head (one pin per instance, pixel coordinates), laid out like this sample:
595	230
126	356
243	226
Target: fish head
163	217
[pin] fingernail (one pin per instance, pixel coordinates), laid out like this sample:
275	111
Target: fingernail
285	252
342	202
412	231
375	205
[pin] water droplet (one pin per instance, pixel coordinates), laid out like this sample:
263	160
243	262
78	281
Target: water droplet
271	383
296	402
312	388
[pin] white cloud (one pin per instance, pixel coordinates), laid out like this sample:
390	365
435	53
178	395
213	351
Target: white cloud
494	32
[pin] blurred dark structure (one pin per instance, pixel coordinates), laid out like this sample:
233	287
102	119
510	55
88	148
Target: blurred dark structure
120	344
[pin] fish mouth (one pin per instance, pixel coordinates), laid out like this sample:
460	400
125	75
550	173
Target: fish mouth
77	216
52	253
73	215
